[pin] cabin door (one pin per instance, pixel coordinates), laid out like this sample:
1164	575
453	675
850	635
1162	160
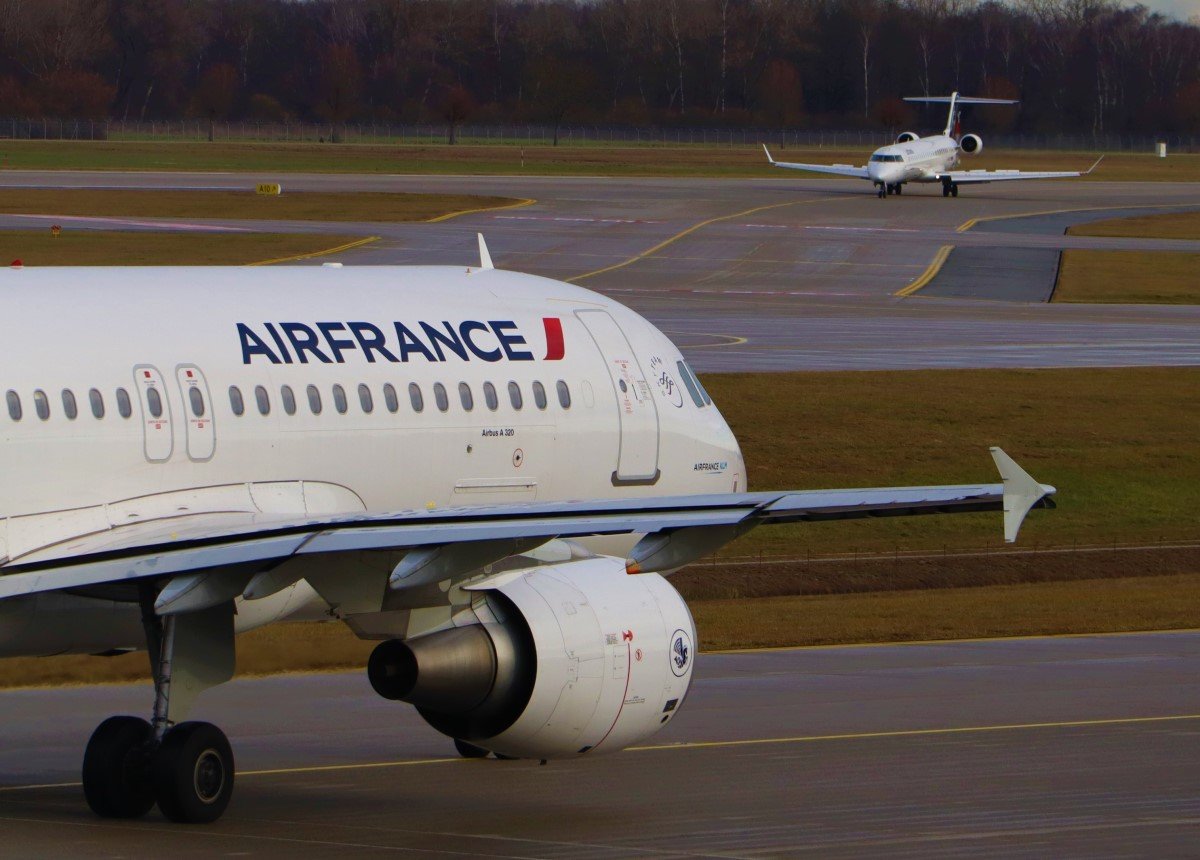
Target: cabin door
637	458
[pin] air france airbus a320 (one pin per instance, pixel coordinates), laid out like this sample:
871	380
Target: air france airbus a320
930	159
488	473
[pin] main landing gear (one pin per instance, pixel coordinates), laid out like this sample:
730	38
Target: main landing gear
949	189
186	768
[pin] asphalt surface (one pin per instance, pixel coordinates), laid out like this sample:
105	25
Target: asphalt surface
1025	274
765	274
1063	747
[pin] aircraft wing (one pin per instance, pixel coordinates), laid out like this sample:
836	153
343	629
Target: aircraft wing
678	530
836	169
975	177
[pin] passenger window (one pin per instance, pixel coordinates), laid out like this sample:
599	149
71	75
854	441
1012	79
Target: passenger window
69	407
339	399
439	396
41	404
539	394
289	399
314	399
124	404
389	397
489	395
14	405
465	395
365	400
262	400
154	402
235	400
97	401
514	395
415	397
564	394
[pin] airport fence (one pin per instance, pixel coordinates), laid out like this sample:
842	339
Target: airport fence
531	134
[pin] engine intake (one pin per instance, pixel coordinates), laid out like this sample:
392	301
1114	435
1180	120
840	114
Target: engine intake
907	137
972	144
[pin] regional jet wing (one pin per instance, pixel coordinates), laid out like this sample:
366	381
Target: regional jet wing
678	530
976	177
837	169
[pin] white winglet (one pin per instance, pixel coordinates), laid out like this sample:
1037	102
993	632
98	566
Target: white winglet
1021	492
485	259
768	152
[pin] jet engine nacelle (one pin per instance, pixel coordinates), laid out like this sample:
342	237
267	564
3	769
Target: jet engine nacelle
562	660
972	144
907	137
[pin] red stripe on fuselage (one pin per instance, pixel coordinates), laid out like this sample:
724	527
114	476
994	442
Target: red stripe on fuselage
555	349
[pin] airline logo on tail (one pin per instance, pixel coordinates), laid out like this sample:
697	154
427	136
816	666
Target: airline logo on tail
395	342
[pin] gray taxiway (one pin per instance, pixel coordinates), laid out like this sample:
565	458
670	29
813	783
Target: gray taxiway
1064	747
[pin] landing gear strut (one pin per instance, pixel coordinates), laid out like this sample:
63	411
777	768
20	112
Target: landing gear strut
186	768
949	189
881	190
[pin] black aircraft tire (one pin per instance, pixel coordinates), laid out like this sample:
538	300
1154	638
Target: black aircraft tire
193	773
467	750
953	190
115	779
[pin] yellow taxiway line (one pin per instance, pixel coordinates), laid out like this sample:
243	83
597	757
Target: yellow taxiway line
745	742
525	201
687	232
967	225
935	266
357	243
910	733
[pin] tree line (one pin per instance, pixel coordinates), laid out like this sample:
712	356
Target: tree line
1077	65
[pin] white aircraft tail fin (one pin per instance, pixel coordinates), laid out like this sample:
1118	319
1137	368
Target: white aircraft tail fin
955	101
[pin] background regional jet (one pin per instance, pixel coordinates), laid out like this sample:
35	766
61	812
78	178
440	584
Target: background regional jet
930	159
489	473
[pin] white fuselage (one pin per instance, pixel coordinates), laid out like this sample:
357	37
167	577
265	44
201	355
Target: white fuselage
618	418
920	160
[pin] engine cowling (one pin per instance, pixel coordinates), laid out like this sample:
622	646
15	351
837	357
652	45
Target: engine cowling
558	661
907	137
972	144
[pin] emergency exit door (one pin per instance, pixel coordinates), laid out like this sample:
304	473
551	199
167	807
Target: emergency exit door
157	435
637	457
197	412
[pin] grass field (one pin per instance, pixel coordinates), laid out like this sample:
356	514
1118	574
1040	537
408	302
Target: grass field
618	160
104	248
1129	277
1172	225
1120	444
1101	606
1158	277
300	206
